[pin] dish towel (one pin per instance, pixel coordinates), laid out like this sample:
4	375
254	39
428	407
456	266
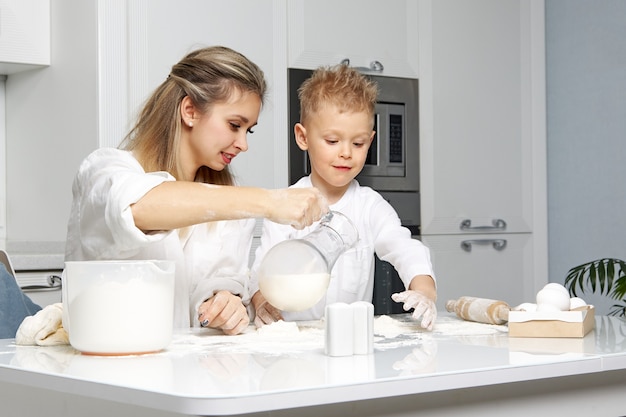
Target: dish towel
45	328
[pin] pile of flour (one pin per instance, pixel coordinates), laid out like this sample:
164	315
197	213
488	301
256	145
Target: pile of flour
284	337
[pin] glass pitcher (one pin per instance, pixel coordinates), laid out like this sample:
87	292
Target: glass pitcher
295	274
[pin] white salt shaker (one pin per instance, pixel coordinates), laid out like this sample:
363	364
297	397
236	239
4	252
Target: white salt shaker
363	331
339	337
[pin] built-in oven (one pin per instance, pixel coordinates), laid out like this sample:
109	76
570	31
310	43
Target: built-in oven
391	168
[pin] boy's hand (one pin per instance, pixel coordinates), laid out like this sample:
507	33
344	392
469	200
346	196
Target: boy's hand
424	306
265	312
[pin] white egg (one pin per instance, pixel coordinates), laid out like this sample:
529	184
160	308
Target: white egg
558	287
554	297
547	308
576	302
529	307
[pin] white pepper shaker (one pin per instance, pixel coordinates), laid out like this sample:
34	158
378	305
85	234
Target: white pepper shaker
339	338
363	328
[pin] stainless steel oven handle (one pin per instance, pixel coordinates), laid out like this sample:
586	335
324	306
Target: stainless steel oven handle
54	284
375	66
498	225
498	244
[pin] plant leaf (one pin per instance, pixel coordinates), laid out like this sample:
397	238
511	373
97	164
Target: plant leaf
593	273
619	291
600	276
618	310
602	266
610	269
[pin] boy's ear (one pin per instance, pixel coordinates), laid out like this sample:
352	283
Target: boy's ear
372	136
300	134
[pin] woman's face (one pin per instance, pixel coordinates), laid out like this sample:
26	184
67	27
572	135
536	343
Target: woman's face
218	135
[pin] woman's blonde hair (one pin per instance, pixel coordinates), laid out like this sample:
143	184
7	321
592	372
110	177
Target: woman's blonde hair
339	85
207	76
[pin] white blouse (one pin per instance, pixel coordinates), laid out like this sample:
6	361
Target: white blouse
209	257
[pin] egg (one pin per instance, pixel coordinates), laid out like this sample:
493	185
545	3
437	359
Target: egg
529	307
558	287
553	297
576	302
547	308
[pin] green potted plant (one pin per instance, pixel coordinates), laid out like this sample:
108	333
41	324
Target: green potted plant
606	276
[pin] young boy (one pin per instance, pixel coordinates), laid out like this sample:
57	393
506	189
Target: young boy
337	107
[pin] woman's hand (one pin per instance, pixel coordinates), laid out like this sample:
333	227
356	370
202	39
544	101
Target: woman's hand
224	311
265	312
299	207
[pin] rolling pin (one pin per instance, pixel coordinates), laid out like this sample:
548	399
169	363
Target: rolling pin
481	310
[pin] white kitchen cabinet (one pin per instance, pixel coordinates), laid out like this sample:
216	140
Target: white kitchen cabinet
482	144
495	266
42	287
24	35
325	32
24	45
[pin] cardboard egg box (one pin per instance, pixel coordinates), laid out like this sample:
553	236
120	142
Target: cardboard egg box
573	323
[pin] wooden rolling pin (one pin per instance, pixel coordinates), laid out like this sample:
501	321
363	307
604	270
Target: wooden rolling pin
481	310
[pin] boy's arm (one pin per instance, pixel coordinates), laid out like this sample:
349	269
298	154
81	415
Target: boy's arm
424	284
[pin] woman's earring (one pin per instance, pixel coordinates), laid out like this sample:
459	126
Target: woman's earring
190	124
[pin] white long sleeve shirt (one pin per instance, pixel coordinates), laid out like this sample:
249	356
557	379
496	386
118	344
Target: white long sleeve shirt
209	257
352	277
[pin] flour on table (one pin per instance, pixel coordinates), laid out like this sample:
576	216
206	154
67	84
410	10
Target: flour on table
277	338
390	332
279	328
458	327
290	337
387	327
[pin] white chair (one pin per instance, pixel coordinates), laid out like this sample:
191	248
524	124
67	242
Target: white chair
4	258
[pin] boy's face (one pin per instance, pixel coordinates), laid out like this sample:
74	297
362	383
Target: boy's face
337	144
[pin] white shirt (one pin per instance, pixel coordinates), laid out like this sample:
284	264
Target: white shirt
209	257
352	277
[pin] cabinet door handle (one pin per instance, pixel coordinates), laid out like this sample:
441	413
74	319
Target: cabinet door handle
498	244
375	66
498	225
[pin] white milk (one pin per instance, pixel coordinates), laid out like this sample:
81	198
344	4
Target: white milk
294	292
112	317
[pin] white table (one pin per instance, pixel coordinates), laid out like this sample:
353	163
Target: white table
455	370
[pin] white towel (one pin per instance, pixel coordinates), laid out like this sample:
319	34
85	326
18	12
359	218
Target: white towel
45	328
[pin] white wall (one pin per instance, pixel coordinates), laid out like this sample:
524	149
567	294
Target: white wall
586	109
51	124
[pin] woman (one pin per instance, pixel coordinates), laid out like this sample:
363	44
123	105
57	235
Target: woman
168	192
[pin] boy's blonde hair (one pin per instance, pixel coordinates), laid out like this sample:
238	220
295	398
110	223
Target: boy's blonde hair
341	86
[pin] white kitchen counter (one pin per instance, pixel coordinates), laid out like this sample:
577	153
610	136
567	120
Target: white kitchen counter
461	367
36	256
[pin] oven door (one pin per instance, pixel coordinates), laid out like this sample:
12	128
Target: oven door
387	154
386	282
